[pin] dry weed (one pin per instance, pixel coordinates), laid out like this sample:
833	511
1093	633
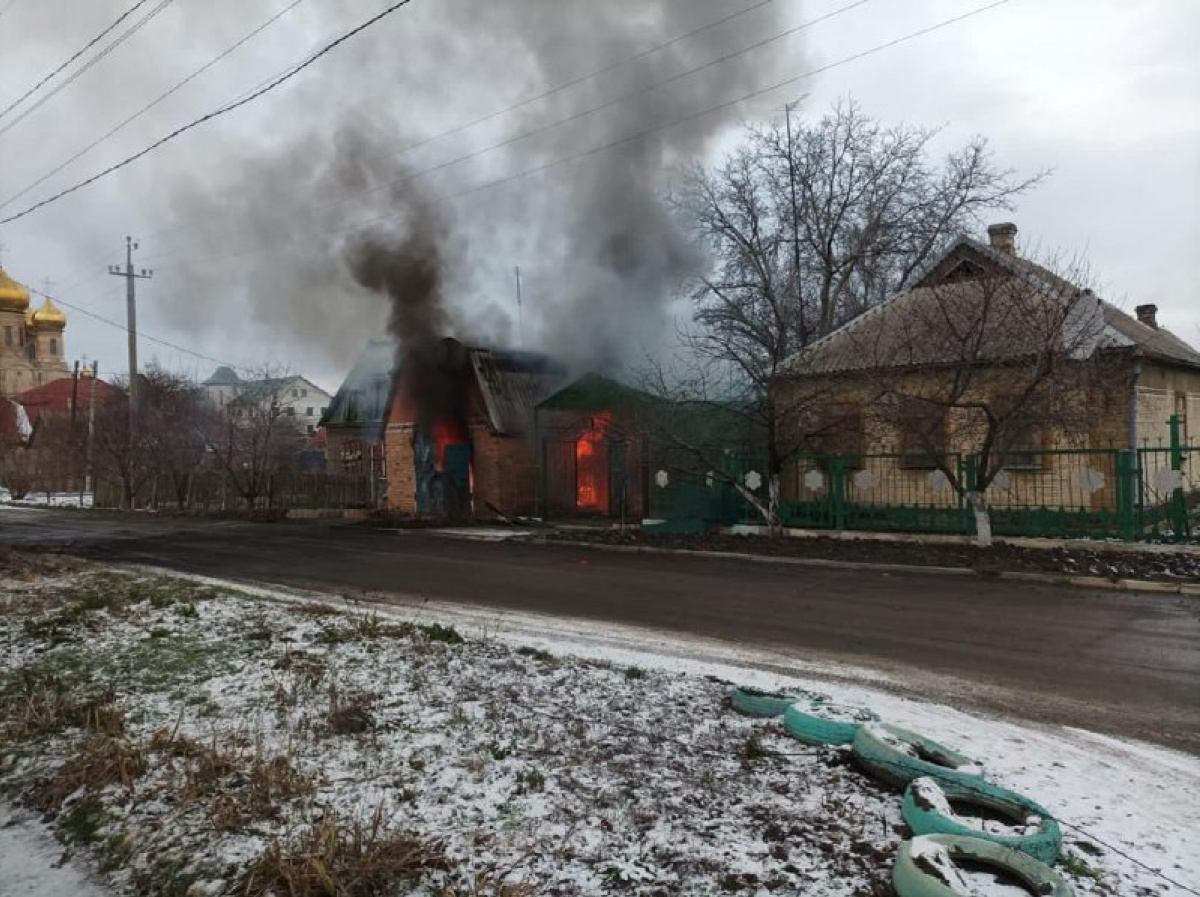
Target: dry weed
99	761
40	705
346	859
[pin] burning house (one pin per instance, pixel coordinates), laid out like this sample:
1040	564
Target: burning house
459	435
593	440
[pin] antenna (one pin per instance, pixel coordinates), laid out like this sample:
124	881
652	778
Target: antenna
520	316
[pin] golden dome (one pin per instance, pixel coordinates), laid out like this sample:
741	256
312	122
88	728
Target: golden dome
49	314
13	296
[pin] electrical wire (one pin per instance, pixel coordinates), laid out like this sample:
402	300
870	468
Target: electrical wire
607	104
566	85
95	40
161	97
638	135
141	333
564	160
216	113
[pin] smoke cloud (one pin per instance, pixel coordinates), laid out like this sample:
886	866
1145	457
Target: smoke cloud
314	218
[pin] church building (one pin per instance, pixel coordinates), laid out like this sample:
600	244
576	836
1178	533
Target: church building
31	342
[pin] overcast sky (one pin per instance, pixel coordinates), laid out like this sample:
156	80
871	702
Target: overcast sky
246	235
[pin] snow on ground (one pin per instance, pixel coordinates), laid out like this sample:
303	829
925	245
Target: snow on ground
250	731
33	864
47	499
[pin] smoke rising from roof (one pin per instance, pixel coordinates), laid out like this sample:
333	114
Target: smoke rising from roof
338	233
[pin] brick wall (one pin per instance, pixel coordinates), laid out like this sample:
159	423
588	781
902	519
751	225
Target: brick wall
504	467
402	477
505	474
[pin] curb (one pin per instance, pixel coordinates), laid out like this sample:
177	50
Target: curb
1058	579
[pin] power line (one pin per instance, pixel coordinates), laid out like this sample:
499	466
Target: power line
141	333
608	104
178	86
78	73
211	115
528	101
663	126
95	40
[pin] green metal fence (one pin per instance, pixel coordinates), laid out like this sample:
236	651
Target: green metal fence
1151	493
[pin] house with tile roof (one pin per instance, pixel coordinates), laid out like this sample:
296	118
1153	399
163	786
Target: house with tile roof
985	316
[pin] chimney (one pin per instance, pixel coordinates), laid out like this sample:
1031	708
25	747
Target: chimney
1003	237
1148	315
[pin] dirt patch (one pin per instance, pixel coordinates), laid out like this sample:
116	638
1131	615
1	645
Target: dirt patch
1110	563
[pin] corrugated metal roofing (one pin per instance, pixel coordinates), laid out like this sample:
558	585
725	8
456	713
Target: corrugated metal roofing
512	384
363	397
592	392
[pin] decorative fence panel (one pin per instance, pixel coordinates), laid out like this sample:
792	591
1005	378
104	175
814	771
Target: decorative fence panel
1151	493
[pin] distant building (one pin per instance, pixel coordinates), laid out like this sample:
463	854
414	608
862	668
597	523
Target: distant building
302	400
31	342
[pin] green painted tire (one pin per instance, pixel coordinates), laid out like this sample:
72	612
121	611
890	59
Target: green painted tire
811	728
897	767
912	878
759	703
1044	844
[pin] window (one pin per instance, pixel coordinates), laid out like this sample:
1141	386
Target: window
309	429
290	410
1020	440
8	335
295	393
922	434
308	411
304	393
53	346
1181	413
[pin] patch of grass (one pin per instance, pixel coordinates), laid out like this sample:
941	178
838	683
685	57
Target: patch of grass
187	610
530	780
35	704
349	714
347	859
317	609
81	823
269	783
754	750
632	673
536	654
99	762
362	628
436	632
1077	867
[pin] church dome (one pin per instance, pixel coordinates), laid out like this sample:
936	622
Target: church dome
49	315
13	296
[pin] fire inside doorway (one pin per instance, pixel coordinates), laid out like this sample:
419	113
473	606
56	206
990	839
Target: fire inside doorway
458	433
592	451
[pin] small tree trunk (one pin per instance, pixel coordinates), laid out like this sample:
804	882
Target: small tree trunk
983	519
774	524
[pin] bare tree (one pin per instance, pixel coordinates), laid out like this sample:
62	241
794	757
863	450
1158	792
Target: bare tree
123	457
178	422
806	228
256	439
995	365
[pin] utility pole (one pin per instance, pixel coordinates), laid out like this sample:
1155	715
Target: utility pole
87	479
131	276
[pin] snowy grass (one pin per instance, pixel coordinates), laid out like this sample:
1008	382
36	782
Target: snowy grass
194	739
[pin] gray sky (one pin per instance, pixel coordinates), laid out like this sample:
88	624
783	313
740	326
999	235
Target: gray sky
245	233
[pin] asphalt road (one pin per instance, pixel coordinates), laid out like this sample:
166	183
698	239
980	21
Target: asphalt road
1119	663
